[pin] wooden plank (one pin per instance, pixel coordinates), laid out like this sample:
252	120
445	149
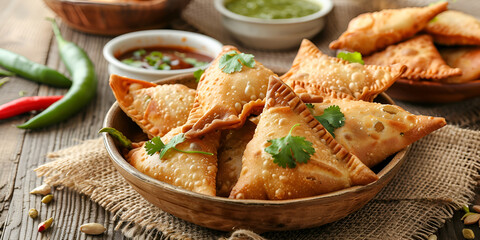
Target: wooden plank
12	139
22	151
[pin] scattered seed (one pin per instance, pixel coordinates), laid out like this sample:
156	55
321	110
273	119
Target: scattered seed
92	228
468	233
432	237
33	213
45	225
476	208
43	189
47	199
471	219
466	209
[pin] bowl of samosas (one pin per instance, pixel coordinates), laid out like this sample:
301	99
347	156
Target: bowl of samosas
246	148
439	47
115	17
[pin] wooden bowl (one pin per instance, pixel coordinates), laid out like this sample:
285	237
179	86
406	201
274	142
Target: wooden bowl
433	92
116	17
228	214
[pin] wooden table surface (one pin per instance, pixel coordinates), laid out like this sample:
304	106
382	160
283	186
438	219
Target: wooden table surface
24	30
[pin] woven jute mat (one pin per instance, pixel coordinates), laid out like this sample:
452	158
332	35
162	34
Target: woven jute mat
438	176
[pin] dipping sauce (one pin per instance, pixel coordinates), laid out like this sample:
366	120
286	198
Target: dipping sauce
164	58
273	9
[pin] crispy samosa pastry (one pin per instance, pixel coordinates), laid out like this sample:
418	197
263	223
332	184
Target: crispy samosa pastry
370	32
454	28
330	168
157	109
230	156
192	171
421	57
225	100
314	73
374	131
467	59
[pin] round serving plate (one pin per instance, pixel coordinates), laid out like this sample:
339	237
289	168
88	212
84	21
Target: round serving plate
228	214
433	92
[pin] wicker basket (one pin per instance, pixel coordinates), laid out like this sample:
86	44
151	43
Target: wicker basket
114	18
228	214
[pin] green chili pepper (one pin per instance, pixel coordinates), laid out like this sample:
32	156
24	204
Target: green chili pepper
79	95
122	139
23	67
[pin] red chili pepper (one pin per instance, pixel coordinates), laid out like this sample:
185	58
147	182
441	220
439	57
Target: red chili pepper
26	104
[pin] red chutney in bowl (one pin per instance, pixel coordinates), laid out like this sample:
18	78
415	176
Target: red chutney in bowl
164	58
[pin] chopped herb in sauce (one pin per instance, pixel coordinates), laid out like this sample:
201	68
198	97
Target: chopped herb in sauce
164	58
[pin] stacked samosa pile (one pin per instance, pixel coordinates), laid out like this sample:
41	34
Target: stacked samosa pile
435	44
249	134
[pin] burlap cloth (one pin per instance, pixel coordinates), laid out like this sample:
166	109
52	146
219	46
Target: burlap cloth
439	175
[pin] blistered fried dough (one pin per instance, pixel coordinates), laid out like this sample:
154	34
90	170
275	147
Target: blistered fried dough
314	73
157	109
421	57
454	28
230	157
467	59
224	100
330	168
370	32
192	171
374	131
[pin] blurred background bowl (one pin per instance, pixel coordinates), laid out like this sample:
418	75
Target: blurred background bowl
154	38
273	34
109	17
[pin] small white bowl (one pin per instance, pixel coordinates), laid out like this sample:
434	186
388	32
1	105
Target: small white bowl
273	34
199	43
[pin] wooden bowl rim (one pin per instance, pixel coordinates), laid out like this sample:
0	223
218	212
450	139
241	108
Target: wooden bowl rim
433	92
116	156
438	84
123	4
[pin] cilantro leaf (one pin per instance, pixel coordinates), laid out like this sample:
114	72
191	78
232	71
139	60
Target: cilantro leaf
156	145
310	105
198	74
354	57
331	118
233	61
289	150
172	143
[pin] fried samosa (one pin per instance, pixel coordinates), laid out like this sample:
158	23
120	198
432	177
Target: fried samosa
371	32
225	100
314	73
330	168
374	131
157	109
421	57
192	171
454	28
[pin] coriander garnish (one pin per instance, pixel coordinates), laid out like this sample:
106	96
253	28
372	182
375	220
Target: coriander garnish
331	119
198	74
156	145
290	150
354	57
233	61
